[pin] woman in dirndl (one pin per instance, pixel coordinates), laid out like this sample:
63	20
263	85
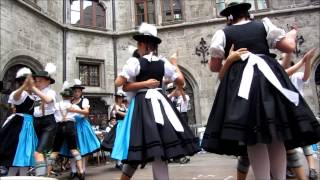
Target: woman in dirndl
18	139
88	142
152	129
257	110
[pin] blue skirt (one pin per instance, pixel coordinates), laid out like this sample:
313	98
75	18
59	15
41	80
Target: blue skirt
121	144
27	144
87	140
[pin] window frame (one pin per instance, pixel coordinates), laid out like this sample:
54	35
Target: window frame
95	4
145	11
88	64
251	11
172	13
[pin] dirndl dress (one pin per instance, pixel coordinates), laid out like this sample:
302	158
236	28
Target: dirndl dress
108	141
87	141
152	128
256	100
18	138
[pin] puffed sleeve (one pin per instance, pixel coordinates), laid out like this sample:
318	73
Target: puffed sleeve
51	93
85	103
218	43
131	69
274	34
170	71
23	97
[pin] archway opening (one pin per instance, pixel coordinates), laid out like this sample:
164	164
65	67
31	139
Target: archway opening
8	85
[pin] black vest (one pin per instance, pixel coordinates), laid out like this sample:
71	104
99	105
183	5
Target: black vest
26	107
80	103
150	70
252	36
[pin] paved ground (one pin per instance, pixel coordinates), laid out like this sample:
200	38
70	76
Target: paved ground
202	167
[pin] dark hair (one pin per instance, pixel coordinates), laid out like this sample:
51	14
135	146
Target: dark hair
151	46
240	14
136	54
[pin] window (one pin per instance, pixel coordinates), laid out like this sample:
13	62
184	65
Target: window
145	11
89	74
88	13
171	10
256	5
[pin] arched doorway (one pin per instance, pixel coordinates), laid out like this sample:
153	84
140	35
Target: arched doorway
317	81
191	111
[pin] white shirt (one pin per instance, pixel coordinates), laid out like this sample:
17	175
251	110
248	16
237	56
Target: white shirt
181	105
218	42
23	97
132	68
48	108
297	81
61	113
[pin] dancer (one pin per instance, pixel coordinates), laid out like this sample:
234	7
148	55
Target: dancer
88	142
181	101
293	162
66	131
118	111
18	138
257	110
299	79
152	130
44	121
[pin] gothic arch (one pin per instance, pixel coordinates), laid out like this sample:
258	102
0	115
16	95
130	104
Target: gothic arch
192	89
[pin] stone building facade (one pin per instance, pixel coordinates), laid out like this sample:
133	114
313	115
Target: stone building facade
89	39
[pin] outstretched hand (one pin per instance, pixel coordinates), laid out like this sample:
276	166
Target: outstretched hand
174	58
309	55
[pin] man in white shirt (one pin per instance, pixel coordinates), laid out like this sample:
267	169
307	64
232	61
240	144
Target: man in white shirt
181	101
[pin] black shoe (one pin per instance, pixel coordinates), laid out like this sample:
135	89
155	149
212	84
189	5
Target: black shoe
143	165
313	175
290	174
81	176
119	166
184	160
73	175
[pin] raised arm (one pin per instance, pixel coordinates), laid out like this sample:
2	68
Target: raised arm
288	43
307	66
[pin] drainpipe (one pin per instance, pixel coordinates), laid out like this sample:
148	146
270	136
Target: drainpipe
64	43
114	41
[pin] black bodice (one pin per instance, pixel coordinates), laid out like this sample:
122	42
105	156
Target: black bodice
252	36
151	70
118	117
26	107
80	103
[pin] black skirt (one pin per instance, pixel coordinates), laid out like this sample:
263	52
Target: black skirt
9	138
234	122
149	140
108	140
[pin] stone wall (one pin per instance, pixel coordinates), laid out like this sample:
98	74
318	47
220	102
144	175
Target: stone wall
24	33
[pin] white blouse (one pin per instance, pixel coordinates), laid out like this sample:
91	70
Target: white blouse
218	42
62	114
48	108
23	97
85	103
132	68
